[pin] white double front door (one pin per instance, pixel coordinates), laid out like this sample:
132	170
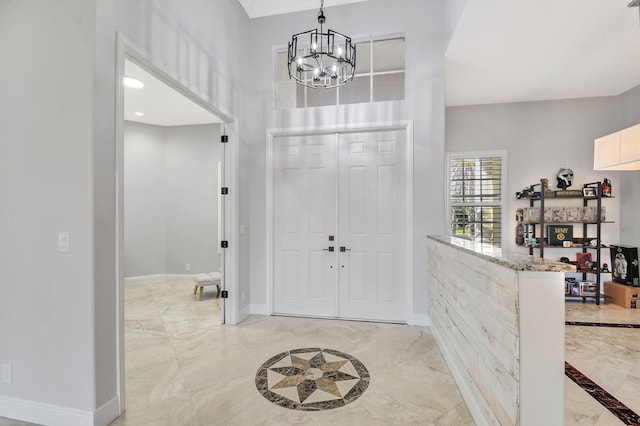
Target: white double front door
339	226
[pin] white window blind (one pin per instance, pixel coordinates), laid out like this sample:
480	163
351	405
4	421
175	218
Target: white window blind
475	203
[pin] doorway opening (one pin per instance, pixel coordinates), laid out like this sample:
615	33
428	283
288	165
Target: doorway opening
172	216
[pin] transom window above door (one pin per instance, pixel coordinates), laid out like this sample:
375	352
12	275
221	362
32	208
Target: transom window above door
379	77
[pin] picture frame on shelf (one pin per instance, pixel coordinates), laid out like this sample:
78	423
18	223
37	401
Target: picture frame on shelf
589	192
584	261
560	234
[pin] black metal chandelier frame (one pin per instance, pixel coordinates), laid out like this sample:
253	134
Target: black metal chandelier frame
319	59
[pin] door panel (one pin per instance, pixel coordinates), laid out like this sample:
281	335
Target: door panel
372	199
304	216
351	186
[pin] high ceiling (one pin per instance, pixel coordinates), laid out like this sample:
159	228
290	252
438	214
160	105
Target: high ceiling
258	8
502	51
512	51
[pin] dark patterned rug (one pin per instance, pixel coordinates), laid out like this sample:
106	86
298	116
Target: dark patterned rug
312	379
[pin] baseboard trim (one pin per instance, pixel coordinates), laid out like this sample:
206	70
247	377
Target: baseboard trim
259	309
144	279
44	414
107	412
422	320
149	279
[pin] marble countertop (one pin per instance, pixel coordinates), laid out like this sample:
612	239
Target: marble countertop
516	261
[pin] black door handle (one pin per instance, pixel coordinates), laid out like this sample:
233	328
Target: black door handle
331	248
343	249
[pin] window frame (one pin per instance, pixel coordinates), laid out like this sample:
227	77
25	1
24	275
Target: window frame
502	204
371	73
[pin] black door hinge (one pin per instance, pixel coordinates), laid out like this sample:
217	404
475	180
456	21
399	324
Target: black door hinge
224	294
224	138
224	190
224	244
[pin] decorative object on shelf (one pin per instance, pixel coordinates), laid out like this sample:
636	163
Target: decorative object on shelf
528	235
559	234
605	268
589	191
569	193
585	261
558	214
527	192
590	214
565	177
574	214
587	288
567	244
606	187
545	184
625	264
564	259
520	234
319	59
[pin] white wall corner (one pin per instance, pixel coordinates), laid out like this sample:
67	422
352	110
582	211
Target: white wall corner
107	412
243	314
259	309
45	414
421	320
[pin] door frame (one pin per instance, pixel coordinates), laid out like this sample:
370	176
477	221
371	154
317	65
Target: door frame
126	49
272	134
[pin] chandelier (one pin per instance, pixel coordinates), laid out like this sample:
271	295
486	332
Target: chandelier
319	59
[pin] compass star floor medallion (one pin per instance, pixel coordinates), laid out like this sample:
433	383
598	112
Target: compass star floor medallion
312	379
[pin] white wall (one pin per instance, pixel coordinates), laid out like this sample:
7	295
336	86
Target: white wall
58	324
191	181
422	22
47	311
170	196
145	201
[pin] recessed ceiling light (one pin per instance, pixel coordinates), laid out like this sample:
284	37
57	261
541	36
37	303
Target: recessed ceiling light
138	113
133	82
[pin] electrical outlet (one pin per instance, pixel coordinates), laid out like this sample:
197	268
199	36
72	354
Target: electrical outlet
7	374
188	267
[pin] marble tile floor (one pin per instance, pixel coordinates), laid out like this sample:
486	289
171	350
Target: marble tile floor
184	368
609	356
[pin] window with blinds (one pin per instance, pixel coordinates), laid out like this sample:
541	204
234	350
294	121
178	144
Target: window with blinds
379	77
475	202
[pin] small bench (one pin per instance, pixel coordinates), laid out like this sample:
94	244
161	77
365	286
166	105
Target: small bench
203	280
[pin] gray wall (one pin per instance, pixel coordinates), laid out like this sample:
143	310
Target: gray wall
171	180
542	136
